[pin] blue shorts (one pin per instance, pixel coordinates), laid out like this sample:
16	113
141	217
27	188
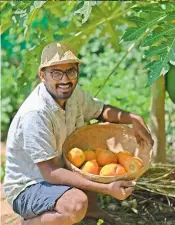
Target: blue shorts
38	198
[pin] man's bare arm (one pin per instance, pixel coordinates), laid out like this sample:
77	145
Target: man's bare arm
52	174
115	115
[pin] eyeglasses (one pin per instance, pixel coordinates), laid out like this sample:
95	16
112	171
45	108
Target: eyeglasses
58	74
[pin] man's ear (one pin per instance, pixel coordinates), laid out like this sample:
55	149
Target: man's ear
42	75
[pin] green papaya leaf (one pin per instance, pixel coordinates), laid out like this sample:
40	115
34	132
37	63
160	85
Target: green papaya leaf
85	10
156	68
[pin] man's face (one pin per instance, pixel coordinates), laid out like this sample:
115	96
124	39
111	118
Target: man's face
58	83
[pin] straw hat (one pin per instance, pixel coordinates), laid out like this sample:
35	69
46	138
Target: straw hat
57	53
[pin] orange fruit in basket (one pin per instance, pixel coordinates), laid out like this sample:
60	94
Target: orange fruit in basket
99	150
132	164
89	155
76	157
112	169
91	167
121	156
106	157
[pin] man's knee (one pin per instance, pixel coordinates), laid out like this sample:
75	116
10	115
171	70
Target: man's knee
78	207
74	205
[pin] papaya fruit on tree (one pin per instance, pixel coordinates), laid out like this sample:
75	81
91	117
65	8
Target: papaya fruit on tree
170	82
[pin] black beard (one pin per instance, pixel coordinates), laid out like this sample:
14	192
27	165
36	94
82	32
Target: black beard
64	96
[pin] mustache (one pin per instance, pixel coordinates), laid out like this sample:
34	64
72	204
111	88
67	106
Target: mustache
69	83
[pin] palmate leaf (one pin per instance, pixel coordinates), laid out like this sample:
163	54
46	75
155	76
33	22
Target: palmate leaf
108	17
32	14
165	51
133	33
25	14
160	40
109	27
156	50
145	17
85	10
158	34
157	68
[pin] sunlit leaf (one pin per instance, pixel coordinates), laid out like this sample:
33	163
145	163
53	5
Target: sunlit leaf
157	67
85	10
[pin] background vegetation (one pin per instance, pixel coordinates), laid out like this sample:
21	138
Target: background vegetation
116	42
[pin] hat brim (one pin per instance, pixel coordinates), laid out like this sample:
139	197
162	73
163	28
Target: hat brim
60	62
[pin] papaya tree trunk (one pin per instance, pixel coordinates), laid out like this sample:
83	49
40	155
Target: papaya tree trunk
158	119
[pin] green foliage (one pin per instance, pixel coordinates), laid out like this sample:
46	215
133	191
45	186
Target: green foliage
17	80
76	21
126	84
6	16
100	222
2	169
85	10
109	17
26	13
157	19
94	30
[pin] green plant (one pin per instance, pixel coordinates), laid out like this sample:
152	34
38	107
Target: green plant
2	171
115	40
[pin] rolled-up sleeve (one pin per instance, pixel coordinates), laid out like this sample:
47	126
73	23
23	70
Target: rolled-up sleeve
38	138
92	107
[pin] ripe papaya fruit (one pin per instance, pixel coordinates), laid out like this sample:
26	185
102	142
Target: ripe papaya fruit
170	82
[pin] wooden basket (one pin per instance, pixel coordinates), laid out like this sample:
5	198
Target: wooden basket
113	137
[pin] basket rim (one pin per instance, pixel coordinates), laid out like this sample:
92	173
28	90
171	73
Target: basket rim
87	127
94	176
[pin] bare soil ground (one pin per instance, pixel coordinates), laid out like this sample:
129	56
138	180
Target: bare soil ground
7	214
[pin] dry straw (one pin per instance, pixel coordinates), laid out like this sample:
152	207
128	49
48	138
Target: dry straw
113	137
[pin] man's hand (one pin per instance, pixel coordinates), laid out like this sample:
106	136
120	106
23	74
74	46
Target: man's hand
141	130
121	189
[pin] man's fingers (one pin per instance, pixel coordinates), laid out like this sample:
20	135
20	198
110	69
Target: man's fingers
127	183
142	131
138	139
151	142
149	139
127	191
145	136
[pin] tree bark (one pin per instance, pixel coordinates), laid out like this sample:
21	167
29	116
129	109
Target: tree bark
158	119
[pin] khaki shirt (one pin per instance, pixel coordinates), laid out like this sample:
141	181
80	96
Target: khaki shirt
38	132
